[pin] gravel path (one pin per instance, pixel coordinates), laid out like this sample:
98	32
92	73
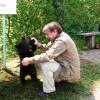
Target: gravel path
91	56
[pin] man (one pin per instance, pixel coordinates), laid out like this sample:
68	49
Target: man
60	60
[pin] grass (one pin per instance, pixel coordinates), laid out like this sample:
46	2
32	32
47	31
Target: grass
79	41
12	89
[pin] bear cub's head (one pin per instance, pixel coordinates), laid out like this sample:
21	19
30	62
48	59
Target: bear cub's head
26	47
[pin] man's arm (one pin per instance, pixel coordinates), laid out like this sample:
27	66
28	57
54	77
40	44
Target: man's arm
57	48
40	45
43	47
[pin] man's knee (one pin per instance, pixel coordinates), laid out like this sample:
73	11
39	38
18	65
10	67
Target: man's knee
49	66
44	66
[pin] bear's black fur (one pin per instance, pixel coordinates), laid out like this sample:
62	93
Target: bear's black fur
26	48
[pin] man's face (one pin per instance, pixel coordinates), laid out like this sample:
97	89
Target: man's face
51	35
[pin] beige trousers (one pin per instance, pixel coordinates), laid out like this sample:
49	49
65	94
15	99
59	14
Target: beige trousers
47	69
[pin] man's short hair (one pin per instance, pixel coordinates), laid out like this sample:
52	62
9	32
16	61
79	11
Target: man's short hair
50	27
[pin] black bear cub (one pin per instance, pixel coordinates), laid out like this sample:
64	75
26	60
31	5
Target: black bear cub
26	48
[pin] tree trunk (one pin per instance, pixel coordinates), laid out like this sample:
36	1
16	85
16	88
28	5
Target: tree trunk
59	11
8	33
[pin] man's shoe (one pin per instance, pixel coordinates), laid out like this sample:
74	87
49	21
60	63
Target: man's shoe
43	94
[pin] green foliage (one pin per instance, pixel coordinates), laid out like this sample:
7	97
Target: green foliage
31	17
75	16
80	42
80	16
0	37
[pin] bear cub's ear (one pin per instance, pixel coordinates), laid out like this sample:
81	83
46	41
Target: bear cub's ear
23	38
32	41
16	46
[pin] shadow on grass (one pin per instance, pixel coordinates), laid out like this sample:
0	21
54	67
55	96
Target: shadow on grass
13	90
74	91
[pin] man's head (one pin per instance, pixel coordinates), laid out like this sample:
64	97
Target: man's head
51	30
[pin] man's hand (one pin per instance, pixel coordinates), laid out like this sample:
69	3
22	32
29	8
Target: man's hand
37	43
26	61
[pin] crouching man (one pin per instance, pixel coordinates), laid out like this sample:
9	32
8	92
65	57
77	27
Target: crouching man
60	61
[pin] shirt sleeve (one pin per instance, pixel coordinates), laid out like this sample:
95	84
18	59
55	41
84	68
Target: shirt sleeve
56	49
45	47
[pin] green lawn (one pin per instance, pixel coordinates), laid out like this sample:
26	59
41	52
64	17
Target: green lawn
13	90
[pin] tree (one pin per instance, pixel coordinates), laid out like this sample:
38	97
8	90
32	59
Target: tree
80	16
31	16
74	16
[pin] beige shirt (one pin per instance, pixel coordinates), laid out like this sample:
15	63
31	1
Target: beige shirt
64	51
